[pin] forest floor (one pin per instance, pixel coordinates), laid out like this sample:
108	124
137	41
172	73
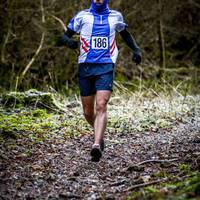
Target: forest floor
152	151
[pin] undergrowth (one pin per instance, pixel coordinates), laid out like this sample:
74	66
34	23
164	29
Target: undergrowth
188	188
128	113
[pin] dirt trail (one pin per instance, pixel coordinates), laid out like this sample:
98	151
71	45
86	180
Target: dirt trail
57	170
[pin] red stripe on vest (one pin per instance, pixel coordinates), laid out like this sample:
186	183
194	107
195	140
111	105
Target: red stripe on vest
113	43
84	48
85	43
113	48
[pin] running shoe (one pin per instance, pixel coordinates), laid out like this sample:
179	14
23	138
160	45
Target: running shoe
96	153
102	145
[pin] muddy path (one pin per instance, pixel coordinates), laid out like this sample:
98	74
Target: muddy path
55	170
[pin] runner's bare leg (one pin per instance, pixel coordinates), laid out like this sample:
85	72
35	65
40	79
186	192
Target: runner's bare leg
102	98
88	108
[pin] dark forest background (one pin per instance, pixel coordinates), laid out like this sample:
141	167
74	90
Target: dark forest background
166	31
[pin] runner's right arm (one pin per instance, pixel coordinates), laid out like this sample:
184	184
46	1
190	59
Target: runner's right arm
121	27
66	40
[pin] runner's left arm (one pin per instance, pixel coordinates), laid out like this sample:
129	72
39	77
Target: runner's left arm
73	27
130	41
66	39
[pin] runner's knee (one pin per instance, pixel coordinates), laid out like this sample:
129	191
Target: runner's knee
101	106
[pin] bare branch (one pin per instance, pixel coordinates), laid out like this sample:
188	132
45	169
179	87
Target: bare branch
4	45
40	46
60	21
3	60
42	9
34	57
146	184
195	3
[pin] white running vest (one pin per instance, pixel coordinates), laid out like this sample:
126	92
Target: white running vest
97	35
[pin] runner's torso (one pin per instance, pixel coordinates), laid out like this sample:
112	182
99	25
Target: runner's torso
97	35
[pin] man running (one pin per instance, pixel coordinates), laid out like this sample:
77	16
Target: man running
97	27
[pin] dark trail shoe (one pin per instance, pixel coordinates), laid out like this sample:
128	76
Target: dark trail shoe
102	145
96	153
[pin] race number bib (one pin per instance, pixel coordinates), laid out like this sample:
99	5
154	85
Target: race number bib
99	42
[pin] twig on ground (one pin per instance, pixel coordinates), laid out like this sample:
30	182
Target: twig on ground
118	183
156	161
55	110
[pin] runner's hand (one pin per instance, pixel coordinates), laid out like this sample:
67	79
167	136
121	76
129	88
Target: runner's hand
137	57
72	44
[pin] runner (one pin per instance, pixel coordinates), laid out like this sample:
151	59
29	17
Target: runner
97	27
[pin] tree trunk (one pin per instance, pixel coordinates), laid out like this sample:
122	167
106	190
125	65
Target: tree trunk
161	42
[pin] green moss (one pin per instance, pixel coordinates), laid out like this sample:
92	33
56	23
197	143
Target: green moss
31	98
184	167
40	124
159	174
37	121
40	113
188	188
13	99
